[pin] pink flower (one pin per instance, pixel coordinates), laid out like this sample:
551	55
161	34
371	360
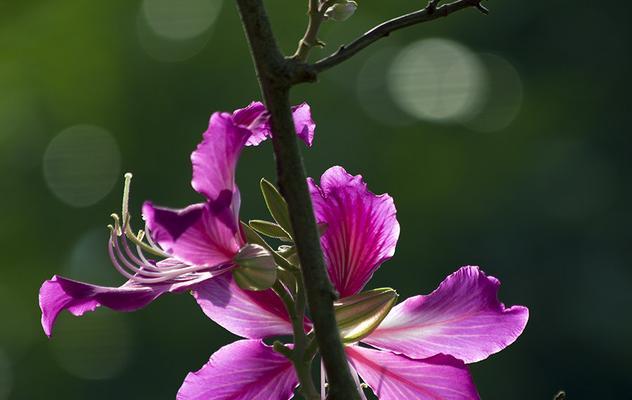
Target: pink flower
193	244
418	351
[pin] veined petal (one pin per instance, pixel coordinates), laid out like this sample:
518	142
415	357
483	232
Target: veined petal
395	377
215	160
255	118
462	318
249	314
195	234
362	228
59	293
243	370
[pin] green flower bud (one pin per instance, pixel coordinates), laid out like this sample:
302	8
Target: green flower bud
341	11
257	269
360	314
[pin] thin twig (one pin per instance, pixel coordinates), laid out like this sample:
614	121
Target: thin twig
316	13
431	12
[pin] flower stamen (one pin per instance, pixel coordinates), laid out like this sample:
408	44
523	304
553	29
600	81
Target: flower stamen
138	268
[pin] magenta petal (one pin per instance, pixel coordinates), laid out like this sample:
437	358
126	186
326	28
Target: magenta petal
462	318
303	123
60	294
362	228
243	370
395	377
255	118
194	235
215	160
253	315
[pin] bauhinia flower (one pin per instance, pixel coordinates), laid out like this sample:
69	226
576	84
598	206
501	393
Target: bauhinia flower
416	350
179	250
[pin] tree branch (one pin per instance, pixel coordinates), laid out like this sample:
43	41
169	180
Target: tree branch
431	12
316	14
275	78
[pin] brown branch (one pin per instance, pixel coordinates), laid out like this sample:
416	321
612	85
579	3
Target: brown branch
316	13
275	76
431	12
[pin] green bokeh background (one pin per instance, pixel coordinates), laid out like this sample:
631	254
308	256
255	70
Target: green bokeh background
542	204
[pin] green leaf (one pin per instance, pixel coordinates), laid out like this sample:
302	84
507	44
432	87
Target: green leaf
276	205
257	269
360	314
270	229
253	237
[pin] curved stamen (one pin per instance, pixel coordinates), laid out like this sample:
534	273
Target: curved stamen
149	239
137	268
139	261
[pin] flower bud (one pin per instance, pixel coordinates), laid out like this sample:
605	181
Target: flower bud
257	269
341	11
360	314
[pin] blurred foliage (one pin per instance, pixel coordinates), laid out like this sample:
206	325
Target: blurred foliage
542	203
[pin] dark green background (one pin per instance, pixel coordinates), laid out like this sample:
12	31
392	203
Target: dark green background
542	204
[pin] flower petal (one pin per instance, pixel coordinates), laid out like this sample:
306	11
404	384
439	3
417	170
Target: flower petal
253	315
243	370
215	161
362	228
303	123
255	118
462	318
59	293
195	234
395	377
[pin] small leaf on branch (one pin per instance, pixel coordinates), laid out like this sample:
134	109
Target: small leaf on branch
276	205
253	237
270	229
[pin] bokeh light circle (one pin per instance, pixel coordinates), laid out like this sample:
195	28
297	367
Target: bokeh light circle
81	165
372	90
503	98
180	20
95	346
437	80
89	260
6	376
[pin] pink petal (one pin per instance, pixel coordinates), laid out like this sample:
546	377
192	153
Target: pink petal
250	314
215	160
243	370
255	118
362	228
303	123
195	234
59	293
462	318
395	377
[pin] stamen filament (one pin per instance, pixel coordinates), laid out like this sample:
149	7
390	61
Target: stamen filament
137	268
